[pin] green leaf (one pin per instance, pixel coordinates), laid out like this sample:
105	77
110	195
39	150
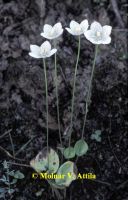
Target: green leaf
39	163
18	175
14	181
10	191
53	161
4	179
55	185
81	147
11	173
69	152
46	161
68	169
96	136
5	164
2	190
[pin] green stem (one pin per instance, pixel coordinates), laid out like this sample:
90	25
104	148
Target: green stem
57	99
89	90
12	144
73	95
46	92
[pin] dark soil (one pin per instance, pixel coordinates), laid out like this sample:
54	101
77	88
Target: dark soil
22	95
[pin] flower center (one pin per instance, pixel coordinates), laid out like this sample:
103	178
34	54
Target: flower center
43	51
78	29
98	33
51	32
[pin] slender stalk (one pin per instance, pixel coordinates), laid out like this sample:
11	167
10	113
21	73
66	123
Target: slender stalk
89	90
46	92
73	95
13	150
57	99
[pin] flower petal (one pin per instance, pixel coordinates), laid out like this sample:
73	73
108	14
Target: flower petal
60	33
34	48
84	25
70	31
53	51
47	28
107	29
88	34
35	55
46	36
106	40
57	26
46	45
57	30
96	26
74	25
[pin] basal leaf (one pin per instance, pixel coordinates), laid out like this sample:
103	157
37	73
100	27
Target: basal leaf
81	147
68	170
69	153
46	161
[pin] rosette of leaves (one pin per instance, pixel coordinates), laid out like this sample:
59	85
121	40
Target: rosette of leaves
48	161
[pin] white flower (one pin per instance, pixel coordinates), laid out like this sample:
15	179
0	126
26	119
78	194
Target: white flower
98	34
43	51
76	28
52	32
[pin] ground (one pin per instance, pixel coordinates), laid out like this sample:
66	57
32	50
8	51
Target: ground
22	95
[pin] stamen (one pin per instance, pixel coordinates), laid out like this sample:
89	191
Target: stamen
42	50
52	32
78	29
98	34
